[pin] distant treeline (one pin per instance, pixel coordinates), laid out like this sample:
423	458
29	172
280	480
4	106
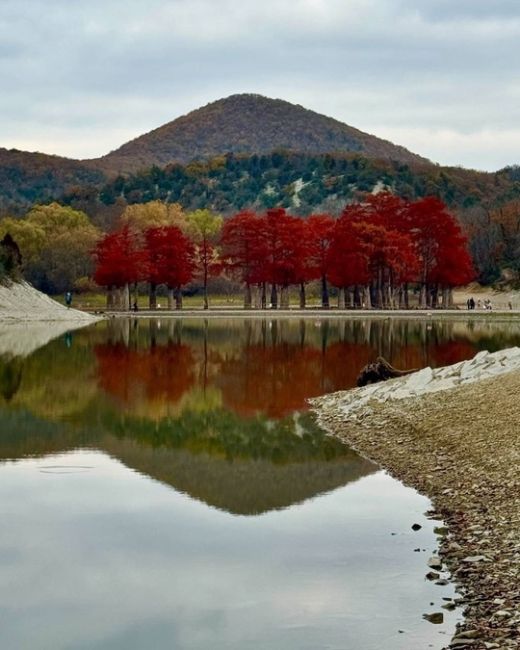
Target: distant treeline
487	205
300	183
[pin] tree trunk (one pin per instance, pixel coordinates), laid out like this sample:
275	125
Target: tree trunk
110	298
447	298
284	297
171	298
341	298
302	296
126	297
406	296
152	296
178	298
357	297
325	301
247	296
263	296
206	302
255	298
435	296
274	297
368	297
422	296
379	291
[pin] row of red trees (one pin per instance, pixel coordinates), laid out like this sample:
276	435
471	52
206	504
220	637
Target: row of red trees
373	253
163	255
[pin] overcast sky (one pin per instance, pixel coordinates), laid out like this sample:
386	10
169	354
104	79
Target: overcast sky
81	77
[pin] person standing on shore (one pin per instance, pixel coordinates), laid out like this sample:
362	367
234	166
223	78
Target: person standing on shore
68	299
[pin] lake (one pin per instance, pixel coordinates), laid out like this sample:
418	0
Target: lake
162	485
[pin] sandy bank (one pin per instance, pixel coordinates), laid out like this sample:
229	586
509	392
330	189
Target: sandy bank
461	447
21	302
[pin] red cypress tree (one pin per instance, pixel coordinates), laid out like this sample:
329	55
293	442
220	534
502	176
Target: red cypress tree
287	248
244	249
441	248
321	230
171	260
120	261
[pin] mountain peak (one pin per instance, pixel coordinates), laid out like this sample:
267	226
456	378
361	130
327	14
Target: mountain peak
249	123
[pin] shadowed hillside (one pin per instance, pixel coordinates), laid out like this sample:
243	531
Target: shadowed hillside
27	178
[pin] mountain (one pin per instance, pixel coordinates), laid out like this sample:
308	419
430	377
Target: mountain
248	124
27	178
243	151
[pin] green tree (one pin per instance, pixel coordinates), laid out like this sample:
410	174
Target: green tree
30	237
204	228
154	214
56	243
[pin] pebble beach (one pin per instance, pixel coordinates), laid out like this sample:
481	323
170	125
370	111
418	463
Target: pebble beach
454	434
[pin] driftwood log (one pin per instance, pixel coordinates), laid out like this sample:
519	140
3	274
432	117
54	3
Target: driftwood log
380	370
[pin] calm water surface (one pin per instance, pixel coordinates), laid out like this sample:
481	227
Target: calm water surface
161	486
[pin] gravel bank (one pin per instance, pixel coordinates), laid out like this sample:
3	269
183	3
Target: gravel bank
21	302
460	446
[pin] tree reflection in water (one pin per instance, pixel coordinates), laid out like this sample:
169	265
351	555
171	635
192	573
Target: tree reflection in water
215	408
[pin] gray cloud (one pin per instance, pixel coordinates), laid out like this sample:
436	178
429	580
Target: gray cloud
438	77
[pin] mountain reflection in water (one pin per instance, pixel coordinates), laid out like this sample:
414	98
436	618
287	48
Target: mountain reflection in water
216	409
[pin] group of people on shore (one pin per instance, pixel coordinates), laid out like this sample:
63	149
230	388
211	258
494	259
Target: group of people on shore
486	304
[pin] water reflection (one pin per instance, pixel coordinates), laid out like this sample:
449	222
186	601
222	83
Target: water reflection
215	409
295	549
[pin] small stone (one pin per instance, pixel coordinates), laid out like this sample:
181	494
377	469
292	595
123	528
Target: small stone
436	618
432	575
416	527
467	634
440	530
435	562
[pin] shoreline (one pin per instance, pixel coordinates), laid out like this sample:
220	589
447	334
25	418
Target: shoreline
461	449
318	313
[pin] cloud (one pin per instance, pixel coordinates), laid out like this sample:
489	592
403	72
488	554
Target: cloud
108	68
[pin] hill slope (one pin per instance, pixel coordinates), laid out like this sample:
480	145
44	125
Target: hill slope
26	178
248	124
300	182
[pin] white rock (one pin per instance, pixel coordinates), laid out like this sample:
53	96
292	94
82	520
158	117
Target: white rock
480	355
419	380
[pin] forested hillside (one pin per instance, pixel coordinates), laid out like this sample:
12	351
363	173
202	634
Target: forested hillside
28	178
248	124
299	182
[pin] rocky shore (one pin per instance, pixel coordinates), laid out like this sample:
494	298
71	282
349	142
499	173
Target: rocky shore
454	434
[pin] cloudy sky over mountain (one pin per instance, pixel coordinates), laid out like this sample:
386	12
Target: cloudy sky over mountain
437	76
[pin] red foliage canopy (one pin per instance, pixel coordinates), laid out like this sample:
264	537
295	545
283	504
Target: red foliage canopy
244	246
120	259
171	256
